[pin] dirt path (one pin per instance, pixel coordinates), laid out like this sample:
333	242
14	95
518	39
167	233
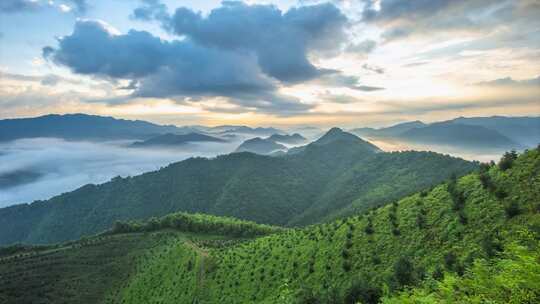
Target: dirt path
203	255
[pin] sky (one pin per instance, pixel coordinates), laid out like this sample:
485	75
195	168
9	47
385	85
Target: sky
260	63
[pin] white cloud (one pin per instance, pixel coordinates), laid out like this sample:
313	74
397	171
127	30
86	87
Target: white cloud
64	8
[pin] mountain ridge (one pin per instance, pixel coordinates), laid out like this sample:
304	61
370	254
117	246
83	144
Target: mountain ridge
264	189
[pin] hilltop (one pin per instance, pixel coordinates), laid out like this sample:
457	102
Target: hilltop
260	146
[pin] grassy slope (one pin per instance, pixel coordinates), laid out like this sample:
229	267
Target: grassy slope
81	272
97	269
326	259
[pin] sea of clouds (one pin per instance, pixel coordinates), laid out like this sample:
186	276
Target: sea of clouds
62	166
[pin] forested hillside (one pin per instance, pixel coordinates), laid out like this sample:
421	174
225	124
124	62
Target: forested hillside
473	239
336	175
94	270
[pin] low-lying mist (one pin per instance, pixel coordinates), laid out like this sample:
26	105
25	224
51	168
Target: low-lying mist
36	169
468	154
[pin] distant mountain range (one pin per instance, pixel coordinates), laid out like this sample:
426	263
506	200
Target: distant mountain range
477	133
172	140
82	127
93	127
337	175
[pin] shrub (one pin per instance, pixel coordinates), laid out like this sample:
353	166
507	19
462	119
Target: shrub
450	260
438	273
507	160
485	180
501	194
404	271
361	291
420	220
512	209
369	227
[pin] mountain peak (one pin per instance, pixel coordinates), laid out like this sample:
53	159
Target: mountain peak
335	134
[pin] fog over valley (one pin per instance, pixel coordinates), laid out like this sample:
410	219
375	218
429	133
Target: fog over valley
36	169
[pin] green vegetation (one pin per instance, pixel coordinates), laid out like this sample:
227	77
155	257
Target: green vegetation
197	223
514	278
362	258
458	242
338	175
96	269
87	271
385	254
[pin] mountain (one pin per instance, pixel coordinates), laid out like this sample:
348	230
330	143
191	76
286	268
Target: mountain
261	146
459	135
81	127
293	139
334	176
496	133
170	139
392	131
469	240
523	130
90	270
337	134
308	132
259	131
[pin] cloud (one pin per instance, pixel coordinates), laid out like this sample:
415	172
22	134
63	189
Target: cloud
16	6
335	79
280	40
80	5
338	98
163	69
242	52
19	6
402	18
62	166
373	68
46	80
508	82
151	10
363	47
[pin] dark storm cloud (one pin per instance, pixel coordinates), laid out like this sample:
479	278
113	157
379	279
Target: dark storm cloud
239	51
